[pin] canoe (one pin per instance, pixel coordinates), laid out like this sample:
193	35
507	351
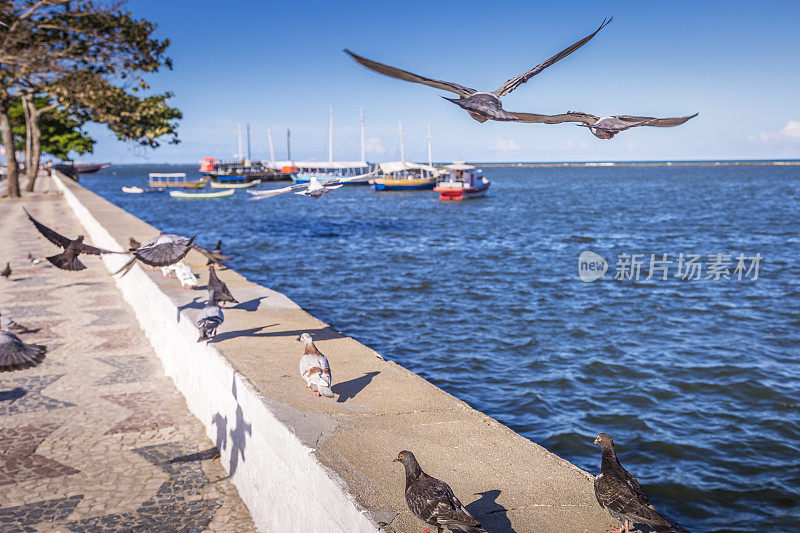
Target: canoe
234	185
201	195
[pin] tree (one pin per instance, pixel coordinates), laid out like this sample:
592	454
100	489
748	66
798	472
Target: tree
90	58
61	134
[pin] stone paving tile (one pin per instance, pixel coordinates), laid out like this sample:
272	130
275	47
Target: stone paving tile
96	438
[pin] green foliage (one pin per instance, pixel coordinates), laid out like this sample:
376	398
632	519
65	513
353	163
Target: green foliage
61	134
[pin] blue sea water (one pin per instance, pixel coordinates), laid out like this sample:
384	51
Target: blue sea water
696	379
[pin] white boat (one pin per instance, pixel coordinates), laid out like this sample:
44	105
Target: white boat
201	195
234	184
139	190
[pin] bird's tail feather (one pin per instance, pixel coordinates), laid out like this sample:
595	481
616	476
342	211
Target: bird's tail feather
65	262
31	355
126	267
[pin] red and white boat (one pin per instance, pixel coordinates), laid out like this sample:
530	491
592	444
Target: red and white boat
462	181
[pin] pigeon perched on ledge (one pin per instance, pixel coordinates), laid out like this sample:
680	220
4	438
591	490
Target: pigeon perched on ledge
433	501
619	493
68	259
16	355
221	290
314	368
6	271
210	318
217	255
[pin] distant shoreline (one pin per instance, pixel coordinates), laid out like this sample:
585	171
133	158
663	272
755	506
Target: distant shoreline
649	164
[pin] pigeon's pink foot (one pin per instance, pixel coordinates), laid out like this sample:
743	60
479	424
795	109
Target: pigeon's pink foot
315	394
612	529
427	531
308	386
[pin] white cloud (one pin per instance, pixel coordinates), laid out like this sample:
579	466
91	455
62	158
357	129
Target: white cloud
789	133
506	145
374	146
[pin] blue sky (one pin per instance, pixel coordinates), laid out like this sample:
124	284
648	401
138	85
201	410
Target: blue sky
281	64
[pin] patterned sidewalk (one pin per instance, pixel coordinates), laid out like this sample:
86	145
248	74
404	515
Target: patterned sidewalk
95	438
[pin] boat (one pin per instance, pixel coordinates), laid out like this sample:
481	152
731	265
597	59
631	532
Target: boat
462	181
177	179
140	190
80	168
233	182
201	195
404	176
356	172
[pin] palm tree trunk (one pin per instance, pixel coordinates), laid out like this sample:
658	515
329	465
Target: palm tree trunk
8	143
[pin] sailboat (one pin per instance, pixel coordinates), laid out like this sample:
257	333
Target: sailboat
404	176
356	172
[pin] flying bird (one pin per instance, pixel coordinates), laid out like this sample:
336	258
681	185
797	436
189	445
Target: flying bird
603	127
164	250
9	324
314	368
68	259
210	318
433	501
481	105
6	271
313	188
16	355
223	294
619	493
217	253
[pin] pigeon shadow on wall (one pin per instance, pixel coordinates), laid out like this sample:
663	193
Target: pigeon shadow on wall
492	515
350	388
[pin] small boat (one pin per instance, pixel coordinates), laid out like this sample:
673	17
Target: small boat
463	181
356	172
177	179
140	190
233	182
403	176
202	195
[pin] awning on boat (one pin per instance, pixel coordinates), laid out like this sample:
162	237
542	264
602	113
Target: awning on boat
459	165
400	166
317	165
173	175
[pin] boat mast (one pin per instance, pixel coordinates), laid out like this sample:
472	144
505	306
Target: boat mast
430	157
289	144
402	146
248	142
363	136
271	148
330	135
239	138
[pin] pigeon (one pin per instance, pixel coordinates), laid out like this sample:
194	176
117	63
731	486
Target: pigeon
618	492
164	250
481	105
603	127
210	318
313	188
8	324
433	501
133	244
314	368
33	260
68	259
220	289
6	271
217	253
16	355
185	275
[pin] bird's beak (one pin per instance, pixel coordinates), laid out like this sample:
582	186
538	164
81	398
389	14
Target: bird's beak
597	440
396	460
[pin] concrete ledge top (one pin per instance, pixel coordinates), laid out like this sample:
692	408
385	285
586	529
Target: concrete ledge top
506	481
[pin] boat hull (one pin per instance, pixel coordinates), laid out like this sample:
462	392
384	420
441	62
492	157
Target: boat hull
450	191
386	184
198	184
201	195
234	185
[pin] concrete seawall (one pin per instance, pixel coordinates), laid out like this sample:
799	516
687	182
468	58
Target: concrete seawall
308	464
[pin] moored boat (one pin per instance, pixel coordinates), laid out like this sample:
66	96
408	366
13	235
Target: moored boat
201	195
462	181
233	182
177	179
140	190
403	176
356	172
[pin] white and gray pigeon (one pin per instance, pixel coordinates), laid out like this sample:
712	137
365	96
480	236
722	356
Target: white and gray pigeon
185	275
16	355
164	250
8	324
314	368
210	318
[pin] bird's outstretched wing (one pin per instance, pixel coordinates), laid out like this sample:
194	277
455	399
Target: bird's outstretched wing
658	122
52	236
210	256
260	195
87	249
515	82
569	116
409	76
336	181
164	254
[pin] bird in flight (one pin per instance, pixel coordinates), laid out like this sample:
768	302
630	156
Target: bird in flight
313	188
481	105
603	127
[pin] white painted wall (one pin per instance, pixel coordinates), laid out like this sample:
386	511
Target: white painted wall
278	477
